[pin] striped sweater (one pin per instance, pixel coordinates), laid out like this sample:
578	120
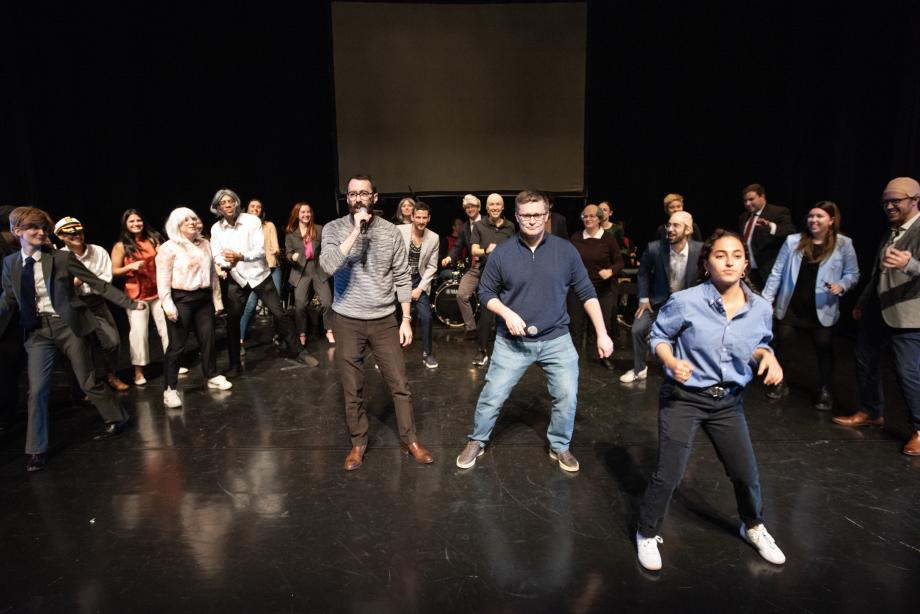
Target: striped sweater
375	269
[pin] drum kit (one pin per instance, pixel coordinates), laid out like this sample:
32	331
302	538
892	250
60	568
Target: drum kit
445	305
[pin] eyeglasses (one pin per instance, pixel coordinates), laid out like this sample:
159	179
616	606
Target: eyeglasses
589	216
895	201
362	195
531	217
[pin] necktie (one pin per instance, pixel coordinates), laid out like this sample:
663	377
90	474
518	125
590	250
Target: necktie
28	312
895	233
749	227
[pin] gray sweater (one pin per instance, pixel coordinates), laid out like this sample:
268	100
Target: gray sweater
365	284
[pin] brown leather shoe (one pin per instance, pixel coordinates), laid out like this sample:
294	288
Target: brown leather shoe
355	458
418	452
860	418
912	447
116	383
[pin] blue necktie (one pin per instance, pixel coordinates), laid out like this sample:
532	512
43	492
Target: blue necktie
28	312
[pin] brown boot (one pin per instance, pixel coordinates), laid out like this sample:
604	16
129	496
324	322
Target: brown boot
418	452
860	418
355	458
912	447
116	383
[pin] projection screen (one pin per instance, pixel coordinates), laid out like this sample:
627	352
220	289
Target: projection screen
460	97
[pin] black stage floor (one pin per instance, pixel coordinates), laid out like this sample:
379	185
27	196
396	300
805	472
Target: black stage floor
238	503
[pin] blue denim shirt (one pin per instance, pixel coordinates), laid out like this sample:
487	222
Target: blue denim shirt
694	324
535	284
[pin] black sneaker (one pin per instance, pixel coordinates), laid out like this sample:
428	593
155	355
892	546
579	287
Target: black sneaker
429	361
825	400
481	359
778	391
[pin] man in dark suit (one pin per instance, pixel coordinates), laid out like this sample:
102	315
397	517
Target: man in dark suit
667	265
470	280
39	283
764	229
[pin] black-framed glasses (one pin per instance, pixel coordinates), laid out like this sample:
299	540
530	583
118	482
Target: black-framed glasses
362	195
531	217
895	201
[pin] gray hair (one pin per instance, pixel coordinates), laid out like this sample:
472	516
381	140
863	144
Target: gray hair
215	202
175	220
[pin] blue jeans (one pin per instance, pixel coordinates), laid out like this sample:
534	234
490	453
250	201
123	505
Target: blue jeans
510	359
873	338
250	308
423	312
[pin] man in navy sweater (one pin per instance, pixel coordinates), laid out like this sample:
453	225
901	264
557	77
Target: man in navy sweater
525	283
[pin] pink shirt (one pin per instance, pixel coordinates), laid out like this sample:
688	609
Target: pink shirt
185	266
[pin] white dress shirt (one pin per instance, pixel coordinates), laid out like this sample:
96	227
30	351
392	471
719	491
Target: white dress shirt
244	237
678	273
99	264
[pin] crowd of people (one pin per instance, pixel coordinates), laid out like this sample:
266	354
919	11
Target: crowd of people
715	312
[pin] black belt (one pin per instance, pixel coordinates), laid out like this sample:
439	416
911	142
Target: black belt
719	391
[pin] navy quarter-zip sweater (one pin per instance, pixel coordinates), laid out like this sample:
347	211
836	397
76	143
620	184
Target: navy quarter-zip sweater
534	284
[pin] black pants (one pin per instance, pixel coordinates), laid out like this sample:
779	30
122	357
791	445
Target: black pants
235	301
681	412
580	323
195	311
822	338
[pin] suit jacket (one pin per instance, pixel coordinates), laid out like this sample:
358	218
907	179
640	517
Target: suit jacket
428	259
840	267
764	246
654	270
59	268
898	298
293	244
465	240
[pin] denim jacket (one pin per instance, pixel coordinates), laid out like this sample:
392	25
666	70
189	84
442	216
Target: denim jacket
840	267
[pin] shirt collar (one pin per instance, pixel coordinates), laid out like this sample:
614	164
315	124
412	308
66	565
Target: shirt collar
585	235
36	255
682	252
714	299
906	225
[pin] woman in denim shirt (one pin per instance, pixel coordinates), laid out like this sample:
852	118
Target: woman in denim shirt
710	338
811	273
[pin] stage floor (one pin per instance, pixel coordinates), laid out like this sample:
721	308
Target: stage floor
238	503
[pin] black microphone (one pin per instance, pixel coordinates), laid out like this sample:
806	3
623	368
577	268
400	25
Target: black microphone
363	222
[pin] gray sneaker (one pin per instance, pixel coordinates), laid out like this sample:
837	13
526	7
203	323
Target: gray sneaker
429	361
566	459
471	452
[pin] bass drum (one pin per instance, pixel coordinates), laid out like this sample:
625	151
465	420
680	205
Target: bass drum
446	307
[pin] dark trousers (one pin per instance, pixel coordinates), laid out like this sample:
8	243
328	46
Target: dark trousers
353	340
580	323
235	302
304	290
873	338
42	345
468	285
822	338
103	342
423	314
681	412
195	311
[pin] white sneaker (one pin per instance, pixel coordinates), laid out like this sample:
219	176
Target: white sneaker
171	398
647	548
761	539
220	382
140	381
632	375
183	370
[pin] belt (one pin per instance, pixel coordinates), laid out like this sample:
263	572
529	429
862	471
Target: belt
719	391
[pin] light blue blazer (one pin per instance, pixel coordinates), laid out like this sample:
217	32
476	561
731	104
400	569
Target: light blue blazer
841	268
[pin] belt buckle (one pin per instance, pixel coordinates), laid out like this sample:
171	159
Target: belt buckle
718	392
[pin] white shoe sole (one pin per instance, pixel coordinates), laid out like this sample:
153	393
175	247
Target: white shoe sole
472	462
568	468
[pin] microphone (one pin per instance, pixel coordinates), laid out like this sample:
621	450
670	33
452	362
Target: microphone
363	222
531	331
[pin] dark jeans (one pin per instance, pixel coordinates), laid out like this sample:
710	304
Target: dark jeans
822	338
873	338
353	339
195	311
42	345
423	313
681	412
580	323
641	328
235	302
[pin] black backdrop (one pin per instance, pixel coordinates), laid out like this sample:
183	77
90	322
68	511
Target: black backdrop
150	107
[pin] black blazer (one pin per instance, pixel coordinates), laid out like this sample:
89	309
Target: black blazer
59	267
293	244
765	246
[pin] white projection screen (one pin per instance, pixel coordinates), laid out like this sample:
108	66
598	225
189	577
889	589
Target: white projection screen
460	97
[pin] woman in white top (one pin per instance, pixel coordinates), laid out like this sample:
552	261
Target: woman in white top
190	296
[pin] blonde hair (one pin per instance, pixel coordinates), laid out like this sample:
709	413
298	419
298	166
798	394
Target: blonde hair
175	220
670	198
